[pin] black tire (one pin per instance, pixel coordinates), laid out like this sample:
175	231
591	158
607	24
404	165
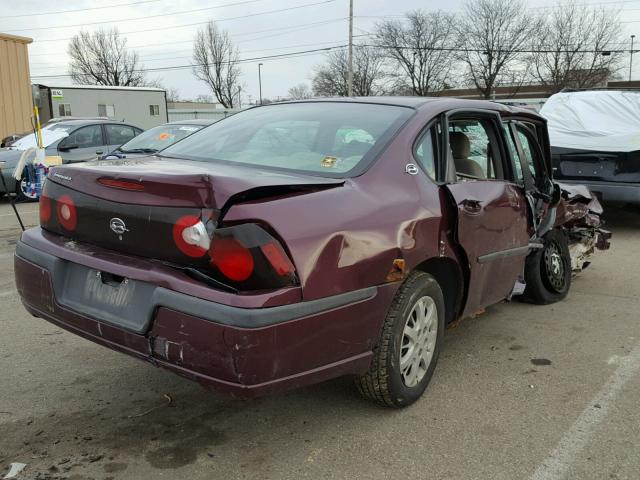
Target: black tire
20	196
547	271
384	382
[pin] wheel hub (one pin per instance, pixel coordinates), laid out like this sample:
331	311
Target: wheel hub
418	341
554	267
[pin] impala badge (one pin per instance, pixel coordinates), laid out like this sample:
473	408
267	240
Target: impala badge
118	227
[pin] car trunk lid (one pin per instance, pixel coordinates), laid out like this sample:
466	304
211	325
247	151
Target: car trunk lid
132	206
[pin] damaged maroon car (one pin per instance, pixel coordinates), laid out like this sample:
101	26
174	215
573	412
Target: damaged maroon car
297	242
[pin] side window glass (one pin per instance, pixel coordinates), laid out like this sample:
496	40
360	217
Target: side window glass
425	155
85	137
528	150
119	134
517	165
473	150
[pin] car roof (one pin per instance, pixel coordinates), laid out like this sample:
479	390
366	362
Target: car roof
89	121
437	103
197	121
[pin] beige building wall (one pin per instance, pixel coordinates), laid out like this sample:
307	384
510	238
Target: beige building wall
15	85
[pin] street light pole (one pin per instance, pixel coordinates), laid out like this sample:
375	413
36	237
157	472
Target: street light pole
631	56
350	72
260	81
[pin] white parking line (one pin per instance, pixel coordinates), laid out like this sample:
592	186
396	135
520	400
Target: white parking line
556	465
8	293
6	254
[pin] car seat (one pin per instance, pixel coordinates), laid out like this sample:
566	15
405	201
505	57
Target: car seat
460	149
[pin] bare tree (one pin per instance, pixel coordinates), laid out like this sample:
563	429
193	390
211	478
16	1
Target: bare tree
300	92
330	79
495	34
574	44
102	58
216	63
422	48
202	98
173	95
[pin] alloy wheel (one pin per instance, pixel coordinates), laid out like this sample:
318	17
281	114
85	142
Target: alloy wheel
418	341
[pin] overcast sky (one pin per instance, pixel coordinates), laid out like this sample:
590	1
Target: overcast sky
170	26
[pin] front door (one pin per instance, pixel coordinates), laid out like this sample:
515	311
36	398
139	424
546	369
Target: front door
82	144
492	225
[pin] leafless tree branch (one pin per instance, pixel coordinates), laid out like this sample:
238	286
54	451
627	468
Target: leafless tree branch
420	48
330	79
493	34
216	63
102	58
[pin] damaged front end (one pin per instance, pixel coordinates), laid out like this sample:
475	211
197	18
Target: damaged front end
580	214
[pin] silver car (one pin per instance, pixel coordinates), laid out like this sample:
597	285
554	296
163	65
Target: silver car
72	140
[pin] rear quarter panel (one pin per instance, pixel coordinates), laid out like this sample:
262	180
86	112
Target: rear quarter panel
347	238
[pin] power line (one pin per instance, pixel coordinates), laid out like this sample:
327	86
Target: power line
245	60
327	49
183	12
34	14
246	51
292	28
204	23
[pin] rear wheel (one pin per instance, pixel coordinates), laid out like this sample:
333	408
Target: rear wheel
548	270
407	352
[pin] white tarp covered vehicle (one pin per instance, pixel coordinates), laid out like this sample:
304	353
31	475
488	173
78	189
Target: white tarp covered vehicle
595	141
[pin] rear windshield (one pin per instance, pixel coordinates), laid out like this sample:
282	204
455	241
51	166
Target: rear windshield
326	138
160	137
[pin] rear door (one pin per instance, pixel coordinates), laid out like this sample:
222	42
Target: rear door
118	134
492	225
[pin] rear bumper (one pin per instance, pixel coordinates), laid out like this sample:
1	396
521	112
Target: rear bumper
243	351
610	191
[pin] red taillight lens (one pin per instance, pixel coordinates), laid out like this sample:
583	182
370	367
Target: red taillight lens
278	259
121	184
45	209
67	213
232	259
186	245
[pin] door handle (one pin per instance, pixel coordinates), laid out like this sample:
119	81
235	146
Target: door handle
471	206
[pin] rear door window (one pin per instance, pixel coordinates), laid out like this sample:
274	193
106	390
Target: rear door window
119	134
473	149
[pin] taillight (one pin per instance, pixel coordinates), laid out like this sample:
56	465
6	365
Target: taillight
67	213
278	259
232	259
190	236
45	209
244	256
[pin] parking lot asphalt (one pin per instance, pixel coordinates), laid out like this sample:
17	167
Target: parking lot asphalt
522	391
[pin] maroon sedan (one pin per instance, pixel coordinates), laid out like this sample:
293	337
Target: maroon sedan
298	242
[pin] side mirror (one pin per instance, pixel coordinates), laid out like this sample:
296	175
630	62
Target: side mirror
66	148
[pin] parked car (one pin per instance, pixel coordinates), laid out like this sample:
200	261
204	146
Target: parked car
72	140
157	138
595	141
297	242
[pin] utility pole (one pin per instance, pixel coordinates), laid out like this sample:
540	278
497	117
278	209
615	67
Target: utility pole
350	72
260	81
631	56
239	97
